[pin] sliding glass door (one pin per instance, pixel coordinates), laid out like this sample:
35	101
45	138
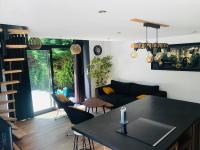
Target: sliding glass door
40	77
63	70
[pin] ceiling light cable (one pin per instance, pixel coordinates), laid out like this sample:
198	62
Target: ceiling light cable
146	35
157	35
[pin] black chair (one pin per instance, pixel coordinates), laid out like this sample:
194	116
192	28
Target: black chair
77	116
60	104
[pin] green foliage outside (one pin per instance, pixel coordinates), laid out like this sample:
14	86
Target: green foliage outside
48	41
99	69
39	66
38	69
63	68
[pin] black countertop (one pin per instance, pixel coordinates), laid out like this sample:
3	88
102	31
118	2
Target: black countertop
177	113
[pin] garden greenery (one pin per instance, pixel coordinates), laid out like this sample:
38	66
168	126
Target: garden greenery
39	66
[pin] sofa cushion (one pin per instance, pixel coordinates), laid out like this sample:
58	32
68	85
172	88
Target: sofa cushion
141	97
99	90
62	98
139	89
117	100
120	87
108	90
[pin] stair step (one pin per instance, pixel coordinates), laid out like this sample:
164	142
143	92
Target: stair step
18	31
9	82
8	118
12	46
14	127
13	59
5	111
6	102
19	134
11	71
15	147
8	92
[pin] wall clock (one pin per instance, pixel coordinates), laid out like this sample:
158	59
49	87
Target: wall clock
97	50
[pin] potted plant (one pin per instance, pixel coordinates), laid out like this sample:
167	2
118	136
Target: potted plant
99	69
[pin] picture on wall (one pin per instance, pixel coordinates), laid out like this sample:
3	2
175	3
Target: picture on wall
179	57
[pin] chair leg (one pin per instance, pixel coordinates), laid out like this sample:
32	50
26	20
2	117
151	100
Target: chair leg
93	144
89	144
104	110
69	132
77	142
74	148
57	113
83	142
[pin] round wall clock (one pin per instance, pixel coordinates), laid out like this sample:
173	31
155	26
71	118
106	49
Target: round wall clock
97	50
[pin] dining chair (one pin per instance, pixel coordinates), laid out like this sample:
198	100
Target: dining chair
77	116
60	104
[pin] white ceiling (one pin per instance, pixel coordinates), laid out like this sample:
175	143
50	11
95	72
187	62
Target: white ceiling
79	19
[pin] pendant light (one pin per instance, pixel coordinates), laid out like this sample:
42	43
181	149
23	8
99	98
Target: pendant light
34	43
134	52
152	48
75	49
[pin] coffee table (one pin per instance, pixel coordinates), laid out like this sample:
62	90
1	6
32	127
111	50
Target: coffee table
95	102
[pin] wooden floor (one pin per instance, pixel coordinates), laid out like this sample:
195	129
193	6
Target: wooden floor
45	133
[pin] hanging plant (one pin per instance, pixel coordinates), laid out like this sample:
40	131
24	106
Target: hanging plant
99	70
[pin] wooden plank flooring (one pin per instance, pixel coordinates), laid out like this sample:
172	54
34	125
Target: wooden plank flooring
45	133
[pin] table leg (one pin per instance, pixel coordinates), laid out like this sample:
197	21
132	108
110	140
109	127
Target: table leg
104	110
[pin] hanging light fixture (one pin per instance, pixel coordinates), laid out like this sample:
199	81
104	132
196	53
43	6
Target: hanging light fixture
150	47
34	43
134	52
75	49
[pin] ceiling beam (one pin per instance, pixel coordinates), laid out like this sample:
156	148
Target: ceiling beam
148	22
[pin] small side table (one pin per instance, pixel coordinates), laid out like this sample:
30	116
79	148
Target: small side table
96	102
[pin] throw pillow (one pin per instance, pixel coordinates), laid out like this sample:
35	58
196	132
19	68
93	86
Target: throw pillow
62	98
141	96
108	90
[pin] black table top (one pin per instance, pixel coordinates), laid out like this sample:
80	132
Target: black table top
177	113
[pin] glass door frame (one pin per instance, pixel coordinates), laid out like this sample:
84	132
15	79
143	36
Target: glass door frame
52	105
50	49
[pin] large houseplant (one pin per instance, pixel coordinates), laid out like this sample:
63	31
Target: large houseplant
99	69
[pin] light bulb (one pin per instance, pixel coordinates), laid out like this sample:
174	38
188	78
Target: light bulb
134	54
149	57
